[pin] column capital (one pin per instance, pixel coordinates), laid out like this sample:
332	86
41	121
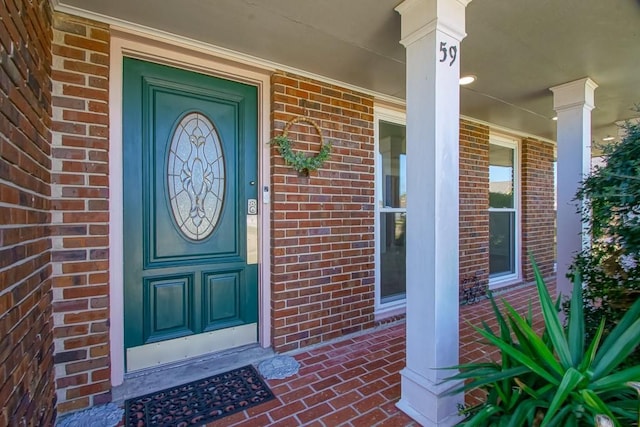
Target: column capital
578	93
420	17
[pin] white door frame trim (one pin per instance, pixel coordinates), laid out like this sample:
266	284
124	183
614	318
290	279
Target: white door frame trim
143	46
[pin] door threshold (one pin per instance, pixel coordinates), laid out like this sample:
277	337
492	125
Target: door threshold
158	378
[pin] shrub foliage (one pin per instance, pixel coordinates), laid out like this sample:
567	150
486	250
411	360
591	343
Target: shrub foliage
610	268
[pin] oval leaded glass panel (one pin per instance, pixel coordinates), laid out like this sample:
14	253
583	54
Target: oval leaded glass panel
196	176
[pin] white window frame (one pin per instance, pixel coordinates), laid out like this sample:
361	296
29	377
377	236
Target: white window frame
398	306
509	279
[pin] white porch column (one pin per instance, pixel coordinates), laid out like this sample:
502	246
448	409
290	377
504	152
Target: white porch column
573	103
431	32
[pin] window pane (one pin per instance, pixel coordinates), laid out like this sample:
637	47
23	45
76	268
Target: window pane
500	176
392	256
501	243
392	160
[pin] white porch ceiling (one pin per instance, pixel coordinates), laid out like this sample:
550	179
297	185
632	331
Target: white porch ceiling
517	48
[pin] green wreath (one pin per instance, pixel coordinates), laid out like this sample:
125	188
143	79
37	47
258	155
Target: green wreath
298	159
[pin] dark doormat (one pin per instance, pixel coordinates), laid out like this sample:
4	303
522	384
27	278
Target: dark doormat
199	402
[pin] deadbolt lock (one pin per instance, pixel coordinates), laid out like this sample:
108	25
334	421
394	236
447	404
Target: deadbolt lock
252	207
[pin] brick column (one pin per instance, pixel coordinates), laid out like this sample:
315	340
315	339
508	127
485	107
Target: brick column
27	387
474	201
538	211
80	217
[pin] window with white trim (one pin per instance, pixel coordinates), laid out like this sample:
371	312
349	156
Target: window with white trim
391	211
503	210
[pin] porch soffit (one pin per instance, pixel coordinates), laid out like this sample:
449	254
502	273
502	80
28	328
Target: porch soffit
518	50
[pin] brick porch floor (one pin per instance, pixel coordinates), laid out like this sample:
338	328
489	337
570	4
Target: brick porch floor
356	382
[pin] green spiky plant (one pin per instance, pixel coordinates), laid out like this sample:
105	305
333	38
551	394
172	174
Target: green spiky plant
554	378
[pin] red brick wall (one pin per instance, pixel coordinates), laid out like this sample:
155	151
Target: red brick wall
26	343
322	272
80	218
538	214
474	201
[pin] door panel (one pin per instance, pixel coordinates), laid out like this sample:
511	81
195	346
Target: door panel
169	302
167	242
190	165
219	289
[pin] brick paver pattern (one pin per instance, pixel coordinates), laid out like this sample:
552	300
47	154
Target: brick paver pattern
356	382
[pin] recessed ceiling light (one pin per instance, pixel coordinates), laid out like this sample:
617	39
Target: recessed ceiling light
467	80
554	118
608	138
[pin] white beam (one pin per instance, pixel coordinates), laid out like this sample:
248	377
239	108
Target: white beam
431	32
573	103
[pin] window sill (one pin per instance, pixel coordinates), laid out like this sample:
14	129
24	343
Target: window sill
504	282
386	312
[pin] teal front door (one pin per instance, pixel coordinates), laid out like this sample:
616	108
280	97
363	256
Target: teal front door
190	246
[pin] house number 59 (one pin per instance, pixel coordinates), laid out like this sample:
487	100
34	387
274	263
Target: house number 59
452	53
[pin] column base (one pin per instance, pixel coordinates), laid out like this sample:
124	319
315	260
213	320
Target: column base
428	403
